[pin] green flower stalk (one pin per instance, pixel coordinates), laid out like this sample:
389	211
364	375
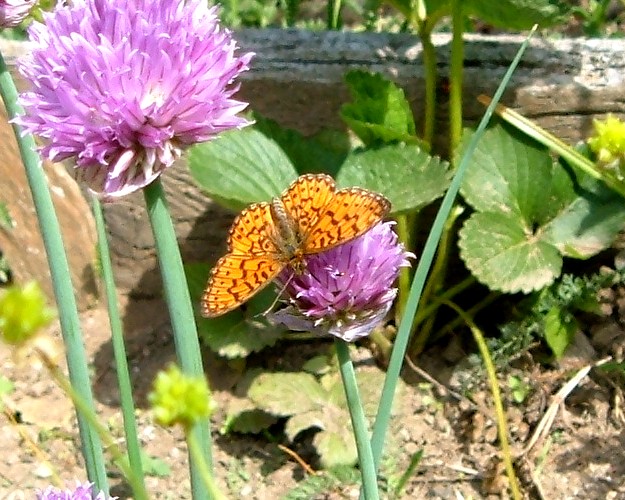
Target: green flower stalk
179	399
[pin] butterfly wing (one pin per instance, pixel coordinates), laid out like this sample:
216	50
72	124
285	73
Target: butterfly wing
306	199
235	279
348	214
250	231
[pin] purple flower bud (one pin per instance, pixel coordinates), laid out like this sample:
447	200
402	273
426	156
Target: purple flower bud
81	492
347	290
13	12
124	87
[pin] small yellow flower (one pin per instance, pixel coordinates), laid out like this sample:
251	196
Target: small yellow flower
180	399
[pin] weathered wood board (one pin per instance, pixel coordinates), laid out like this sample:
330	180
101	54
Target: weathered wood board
297	80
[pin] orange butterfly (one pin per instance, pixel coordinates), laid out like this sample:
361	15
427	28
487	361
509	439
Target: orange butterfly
310	216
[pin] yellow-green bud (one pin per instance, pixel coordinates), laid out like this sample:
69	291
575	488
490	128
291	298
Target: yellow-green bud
180	399
608	143
23	311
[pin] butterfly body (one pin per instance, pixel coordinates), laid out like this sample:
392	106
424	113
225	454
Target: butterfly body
286	235
310	216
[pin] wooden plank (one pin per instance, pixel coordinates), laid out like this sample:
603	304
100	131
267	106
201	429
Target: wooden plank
297	79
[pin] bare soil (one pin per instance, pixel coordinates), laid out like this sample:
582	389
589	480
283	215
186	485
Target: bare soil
580	455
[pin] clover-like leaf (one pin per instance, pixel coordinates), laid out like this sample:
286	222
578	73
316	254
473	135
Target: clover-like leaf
285	394
244	417
500	253
408	176
240	332
241	167
530	213
336	448
320	404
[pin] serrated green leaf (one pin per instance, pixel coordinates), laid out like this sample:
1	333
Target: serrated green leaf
499	253
531	211
318	365
322	153
302	421
286	394
518	14
336	448
154	466
560	328
379	113
240	332
508	172
241	167
408	176
317	404
245	418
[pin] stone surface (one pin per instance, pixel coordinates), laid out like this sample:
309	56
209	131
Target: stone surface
21	243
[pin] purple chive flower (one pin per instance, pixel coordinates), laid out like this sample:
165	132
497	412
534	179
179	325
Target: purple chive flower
13	12
348	290
82	492
124	87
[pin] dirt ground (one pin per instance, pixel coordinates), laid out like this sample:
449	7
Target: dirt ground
580	456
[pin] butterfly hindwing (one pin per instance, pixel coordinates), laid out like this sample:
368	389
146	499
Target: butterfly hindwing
235	279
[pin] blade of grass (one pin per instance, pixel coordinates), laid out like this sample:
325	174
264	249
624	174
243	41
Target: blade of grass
502	426
401	342
119	350
61	282
181	314
556	145
90	415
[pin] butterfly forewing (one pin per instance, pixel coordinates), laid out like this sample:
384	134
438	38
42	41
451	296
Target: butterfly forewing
306	199
249	233
235	279
350	213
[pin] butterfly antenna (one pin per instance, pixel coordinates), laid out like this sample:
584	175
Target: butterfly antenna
275	301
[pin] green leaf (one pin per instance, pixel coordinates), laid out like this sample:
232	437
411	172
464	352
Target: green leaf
560	328
322	153
318	485
6	221
310	403
379	113
500	253
530	212
285	394
240	332
244	417
241	167
154	466
405	174
6	387
518	14
336	448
